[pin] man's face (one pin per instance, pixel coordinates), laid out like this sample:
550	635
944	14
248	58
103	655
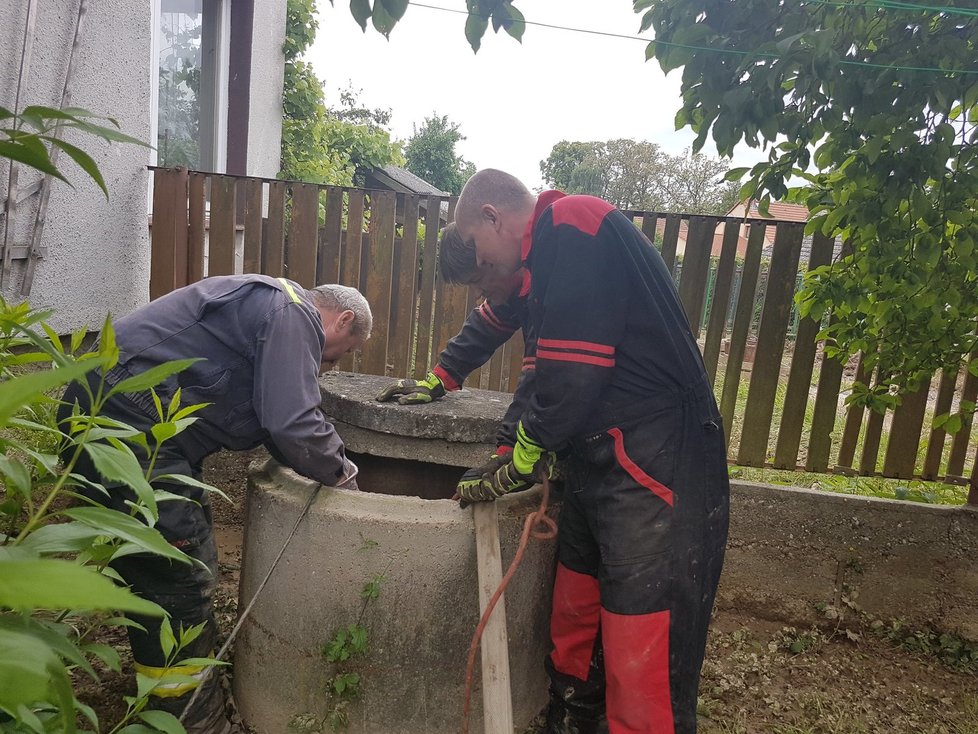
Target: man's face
494	286
498	237
340	338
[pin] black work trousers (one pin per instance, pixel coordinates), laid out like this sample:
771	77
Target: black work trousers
643	528
184	591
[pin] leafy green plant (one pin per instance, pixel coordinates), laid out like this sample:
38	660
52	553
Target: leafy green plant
58	590
24	136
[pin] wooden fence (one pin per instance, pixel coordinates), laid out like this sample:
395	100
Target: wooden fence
386	245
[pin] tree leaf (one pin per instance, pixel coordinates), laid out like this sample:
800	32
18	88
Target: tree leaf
360	9
119	464
475	29
66	537
118	525
83	159
17	392
47	583
17	151
162	721
151	377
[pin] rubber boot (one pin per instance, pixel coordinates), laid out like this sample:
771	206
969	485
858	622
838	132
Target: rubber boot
577	706
208	715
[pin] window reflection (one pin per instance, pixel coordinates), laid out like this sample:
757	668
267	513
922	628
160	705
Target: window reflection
179	138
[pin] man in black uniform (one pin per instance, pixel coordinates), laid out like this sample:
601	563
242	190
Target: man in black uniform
487	327
263	343
621	383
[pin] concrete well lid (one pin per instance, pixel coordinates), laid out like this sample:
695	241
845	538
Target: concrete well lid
466	416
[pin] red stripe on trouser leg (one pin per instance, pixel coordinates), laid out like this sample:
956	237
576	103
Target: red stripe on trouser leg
636	659
574	621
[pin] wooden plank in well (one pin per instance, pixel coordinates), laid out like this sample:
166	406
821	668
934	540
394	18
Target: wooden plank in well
935	444
670	240
959	445
273	253
195	243
252	225
169	235
721	299
854	422
426	293
908	421
741	326
378	271
330	236
404	289
802	365
871	443
696	269
770	344
303	243
220	254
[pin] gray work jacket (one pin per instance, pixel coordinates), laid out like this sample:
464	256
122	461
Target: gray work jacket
261	352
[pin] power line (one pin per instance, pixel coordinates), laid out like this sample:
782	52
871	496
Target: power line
736	52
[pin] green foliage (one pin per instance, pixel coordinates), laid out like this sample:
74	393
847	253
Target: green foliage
322	145
56	546
881	99
384	15
430	154
24	138
637	175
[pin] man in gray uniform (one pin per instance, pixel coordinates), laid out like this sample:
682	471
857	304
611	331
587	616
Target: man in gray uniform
263	343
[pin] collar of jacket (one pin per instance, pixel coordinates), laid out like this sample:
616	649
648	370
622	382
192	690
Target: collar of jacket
545	199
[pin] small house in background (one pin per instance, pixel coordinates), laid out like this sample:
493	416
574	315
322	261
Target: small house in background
402	181
779	211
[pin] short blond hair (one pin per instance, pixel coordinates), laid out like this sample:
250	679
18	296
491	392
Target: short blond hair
491	186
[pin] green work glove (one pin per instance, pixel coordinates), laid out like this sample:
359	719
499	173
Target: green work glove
520	472
413	392
477	474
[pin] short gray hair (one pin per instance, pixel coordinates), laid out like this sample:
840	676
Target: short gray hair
491	186
335	297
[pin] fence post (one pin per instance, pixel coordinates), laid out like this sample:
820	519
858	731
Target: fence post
168	250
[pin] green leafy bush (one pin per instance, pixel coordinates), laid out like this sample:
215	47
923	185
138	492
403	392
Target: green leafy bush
58	591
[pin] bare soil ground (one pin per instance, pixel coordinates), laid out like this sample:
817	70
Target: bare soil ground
760	676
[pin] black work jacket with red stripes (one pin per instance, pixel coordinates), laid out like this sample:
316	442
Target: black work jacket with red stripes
486	329
610	329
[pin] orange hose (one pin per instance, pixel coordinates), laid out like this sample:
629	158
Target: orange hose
534	519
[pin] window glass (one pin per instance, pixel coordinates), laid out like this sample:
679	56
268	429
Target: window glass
178	138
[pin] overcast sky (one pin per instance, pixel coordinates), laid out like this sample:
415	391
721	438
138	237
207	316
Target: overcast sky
513	102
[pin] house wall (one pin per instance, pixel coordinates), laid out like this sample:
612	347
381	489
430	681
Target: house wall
267	67
97	250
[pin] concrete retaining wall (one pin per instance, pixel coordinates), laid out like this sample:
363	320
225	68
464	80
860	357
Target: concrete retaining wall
792	549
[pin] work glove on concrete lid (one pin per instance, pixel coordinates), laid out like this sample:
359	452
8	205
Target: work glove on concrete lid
414	392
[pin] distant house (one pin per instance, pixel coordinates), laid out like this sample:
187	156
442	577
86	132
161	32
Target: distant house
200	81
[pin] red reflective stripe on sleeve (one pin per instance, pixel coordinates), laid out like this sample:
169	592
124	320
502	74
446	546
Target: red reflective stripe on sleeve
503	450
486	312
574	621
446	379
636	659
574	357
635	471
578	345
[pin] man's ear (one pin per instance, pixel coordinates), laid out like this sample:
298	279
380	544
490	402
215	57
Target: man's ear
345	320
490	215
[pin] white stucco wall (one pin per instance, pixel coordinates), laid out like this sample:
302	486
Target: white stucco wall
98	251
267	69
